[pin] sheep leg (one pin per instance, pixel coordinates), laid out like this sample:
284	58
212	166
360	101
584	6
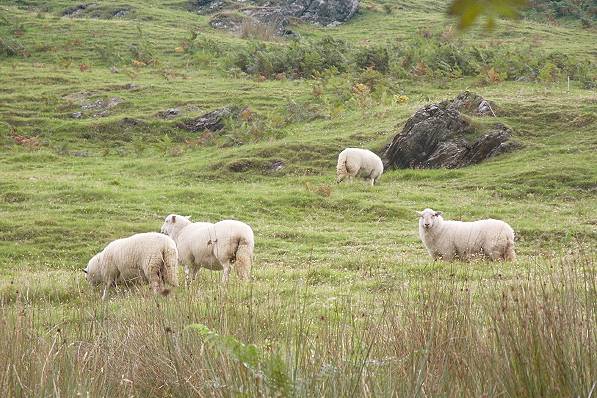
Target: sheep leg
109	280
448	256
372	181
226	266
187	275
105	293
494	255
509	253
153	275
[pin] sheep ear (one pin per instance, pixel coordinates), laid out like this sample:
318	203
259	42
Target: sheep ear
173	219
419	213
438	213
84	270
188	218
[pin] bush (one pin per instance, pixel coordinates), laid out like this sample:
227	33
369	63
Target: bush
298	59
547	9
431	56
549	73
373	58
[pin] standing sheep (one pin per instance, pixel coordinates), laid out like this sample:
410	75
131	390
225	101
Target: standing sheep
353	162
147	257
448	239
213	246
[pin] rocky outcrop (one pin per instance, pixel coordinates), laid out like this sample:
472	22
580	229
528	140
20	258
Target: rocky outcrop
277	13
322	12
95	10
438	135
472	104
212	121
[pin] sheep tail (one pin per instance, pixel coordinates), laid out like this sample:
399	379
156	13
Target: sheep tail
244	259
170	267
509	254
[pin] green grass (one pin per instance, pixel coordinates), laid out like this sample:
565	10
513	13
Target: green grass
344	299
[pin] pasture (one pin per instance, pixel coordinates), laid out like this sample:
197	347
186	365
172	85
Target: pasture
344	299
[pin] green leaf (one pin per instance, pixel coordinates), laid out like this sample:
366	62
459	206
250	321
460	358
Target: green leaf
468	11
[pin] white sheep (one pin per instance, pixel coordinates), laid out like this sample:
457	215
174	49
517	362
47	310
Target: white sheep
353	162
216	246
146	257
489	238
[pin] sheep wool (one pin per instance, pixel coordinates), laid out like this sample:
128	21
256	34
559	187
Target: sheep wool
141	258
357	162
220	246
493	239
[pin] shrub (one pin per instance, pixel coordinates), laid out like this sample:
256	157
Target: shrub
298	59
372	78
552	9
373	58
549	73
142	50
431	56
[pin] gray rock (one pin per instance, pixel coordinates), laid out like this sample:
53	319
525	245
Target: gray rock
436	136
225	21
120	13
128	122
169	113
102	104
277	165
471	103
277	13
323	12
76	9
77	115
212	121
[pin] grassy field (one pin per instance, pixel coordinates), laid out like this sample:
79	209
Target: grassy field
344	299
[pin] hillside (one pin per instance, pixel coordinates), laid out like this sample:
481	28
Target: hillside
345	300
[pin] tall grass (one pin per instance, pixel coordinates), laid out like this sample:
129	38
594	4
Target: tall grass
530	337
251	29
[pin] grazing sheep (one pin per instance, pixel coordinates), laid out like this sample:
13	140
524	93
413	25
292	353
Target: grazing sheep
353	162
490	238
147	257
213	246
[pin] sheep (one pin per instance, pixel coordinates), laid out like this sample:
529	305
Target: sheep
353	162
489	238
146	257
213	246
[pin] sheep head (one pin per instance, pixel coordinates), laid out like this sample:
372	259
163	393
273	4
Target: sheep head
92	271
173	223
428	218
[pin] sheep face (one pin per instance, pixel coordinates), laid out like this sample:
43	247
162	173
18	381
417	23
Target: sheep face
168	225
92	273
428	218
173	223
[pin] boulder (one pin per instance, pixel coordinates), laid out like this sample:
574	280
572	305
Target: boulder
471	103
169	113
438	136
226	21
77	9
322	12
277	13
212	121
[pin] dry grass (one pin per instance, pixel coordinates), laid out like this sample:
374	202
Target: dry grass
252	29
534	337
